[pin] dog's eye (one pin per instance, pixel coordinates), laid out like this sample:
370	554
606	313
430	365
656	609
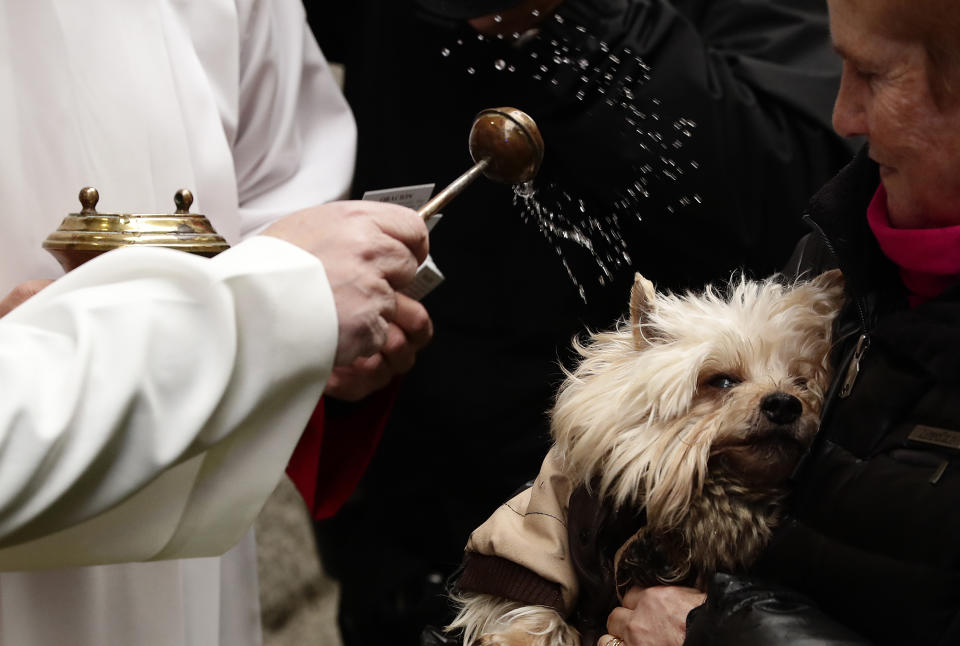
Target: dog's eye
723	381
801	382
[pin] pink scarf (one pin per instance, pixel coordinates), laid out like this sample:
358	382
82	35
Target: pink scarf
929	259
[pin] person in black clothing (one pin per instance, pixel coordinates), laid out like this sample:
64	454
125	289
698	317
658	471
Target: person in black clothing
871	551
694	130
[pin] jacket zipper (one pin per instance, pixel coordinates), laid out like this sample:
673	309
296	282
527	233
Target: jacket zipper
863	343
853	368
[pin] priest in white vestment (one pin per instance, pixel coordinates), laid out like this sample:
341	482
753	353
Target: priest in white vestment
232	99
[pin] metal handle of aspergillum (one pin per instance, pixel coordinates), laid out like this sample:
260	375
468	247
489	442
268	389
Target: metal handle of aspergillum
507	147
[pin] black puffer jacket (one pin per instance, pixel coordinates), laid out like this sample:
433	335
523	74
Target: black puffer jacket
874	541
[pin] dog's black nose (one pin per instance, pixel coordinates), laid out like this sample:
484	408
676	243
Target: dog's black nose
781	408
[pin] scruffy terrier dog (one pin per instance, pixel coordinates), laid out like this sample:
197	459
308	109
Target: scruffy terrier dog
687	420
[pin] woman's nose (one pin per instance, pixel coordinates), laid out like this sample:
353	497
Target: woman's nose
849	110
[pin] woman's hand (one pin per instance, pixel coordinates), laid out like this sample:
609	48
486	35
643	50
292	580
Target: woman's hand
654	616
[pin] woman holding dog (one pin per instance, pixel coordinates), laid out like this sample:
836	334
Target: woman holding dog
871	551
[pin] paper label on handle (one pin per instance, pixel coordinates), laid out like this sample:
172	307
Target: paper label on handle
413	197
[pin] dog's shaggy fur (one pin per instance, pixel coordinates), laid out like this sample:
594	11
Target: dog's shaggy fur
697	409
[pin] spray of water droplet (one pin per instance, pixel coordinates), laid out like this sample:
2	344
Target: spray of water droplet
566	224
601	74
524	190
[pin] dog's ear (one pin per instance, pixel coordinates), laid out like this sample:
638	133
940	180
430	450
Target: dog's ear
831	282
643	298
831	279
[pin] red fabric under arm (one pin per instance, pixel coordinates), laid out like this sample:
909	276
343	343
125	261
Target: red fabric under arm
335	449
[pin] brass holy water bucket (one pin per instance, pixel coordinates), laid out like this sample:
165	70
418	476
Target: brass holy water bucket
84	235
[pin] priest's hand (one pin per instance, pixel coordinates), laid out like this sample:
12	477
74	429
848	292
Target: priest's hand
655	616
21	293
369	251
408	331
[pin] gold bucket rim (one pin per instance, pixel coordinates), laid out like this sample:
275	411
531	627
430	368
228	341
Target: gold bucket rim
90	230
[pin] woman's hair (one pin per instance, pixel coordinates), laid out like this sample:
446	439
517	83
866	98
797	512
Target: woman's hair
936	25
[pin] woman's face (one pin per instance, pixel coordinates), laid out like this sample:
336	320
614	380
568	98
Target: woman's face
886	97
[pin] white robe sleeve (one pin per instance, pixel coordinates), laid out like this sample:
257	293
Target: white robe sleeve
295	143
151	399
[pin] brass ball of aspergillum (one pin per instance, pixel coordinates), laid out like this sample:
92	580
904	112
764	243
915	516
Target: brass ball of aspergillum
506	146
510	142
